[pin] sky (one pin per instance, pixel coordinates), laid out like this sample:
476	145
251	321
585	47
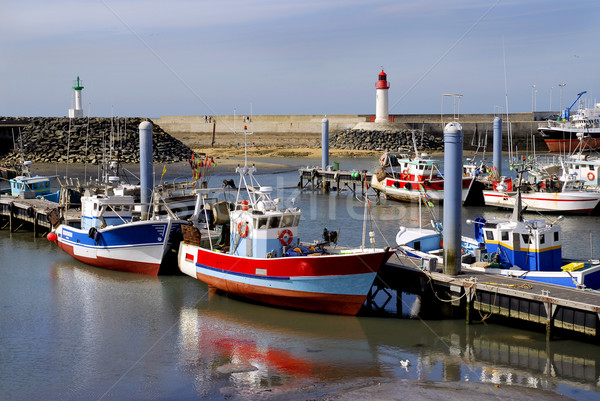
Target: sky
152	58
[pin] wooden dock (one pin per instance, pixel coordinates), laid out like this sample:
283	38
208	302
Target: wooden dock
553	307
33	214
327	180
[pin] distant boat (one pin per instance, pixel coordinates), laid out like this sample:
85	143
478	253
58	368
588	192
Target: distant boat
404	178
580	132
31	186
564	194
264	261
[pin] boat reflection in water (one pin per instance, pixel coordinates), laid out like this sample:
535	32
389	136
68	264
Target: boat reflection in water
268	346
258	348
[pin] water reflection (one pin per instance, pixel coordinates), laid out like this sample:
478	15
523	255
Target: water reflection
272	347
257	347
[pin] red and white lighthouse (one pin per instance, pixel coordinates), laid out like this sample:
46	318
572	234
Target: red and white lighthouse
381	99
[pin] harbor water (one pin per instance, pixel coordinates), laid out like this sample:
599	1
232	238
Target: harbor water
69	331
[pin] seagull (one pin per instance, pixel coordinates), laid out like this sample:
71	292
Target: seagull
405	364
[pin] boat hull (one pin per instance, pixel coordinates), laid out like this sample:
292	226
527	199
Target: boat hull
559	140
412	191
560	202
137	247
336	284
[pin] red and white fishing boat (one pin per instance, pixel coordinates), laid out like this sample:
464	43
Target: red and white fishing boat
565	194
404	178
264	260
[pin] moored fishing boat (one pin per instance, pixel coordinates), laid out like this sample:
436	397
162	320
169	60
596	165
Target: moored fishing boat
264	260
512	247
569	134
110	237
564	194
27	185
403	178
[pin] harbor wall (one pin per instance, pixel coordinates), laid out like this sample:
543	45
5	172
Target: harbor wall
477	126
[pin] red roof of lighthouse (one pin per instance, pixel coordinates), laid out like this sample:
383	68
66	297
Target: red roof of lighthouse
382	83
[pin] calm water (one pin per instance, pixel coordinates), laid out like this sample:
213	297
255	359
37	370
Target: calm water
70	331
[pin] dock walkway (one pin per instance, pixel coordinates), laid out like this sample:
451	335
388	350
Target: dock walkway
16	213
324	179
556	307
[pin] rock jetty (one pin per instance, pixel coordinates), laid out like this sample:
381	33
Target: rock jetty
385	140
52	140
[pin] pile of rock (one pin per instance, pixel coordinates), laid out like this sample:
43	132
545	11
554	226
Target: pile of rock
51	139
387	140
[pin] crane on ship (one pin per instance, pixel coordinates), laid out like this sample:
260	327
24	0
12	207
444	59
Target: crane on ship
566	113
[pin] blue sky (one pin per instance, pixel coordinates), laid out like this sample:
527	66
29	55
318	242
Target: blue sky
185	57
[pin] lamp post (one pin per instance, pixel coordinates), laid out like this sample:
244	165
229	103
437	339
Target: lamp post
456	97
532	96
552	87
535	102
561	89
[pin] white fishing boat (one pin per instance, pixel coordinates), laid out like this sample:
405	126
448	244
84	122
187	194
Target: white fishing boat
555	194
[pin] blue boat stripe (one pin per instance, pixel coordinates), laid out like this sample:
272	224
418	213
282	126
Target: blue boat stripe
241	274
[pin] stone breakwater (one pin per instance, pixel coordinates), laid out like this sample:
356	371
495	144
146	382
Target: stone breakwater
387	140
50	140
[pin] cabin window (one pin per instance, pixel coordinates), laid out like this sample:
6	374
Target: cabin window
287	221
591	167
542	239
556	236
95	206
526	238
296	220
262	222
504	235
489	235
274	222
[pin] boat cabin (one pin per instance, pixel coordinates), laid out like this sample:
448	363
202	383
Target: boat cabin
414	169
100	211
30	187
260	229
530	245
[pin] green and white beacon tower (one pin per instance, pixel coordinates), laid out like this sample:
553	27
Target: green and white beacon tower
76	112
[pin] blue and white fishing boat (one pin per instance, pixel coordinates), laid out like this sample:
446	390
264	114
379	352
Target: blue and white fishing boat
31	186
512	247
110	236
117	232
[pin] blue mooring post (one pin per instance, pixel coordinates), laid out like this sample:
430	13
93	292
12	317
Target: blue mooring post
498	145
146	163
324	143
453	145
